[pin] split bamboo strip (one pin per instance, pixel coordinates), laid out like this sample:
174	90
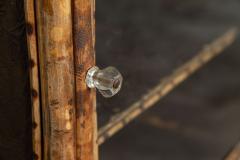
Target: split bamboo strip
34	76
84	51
234	154
54	24
166	85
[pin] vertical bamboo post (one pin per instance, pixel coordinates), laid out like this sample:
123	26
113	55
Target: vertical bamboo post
84	50
34	77
54	23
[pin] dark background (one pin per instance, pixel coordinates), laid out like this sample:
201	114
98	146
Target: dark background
15	103
146	40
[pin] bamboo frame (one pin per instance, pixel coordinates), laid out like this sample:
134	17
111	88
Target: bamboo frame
54	24
84	50
234	154
69	107
34	74
166	85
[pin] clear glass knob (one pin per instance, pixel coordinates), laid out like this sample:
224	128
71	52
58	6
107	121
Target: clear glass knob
108	81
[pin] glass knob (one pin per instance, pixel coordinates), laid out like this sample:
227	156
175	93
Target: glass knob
108	81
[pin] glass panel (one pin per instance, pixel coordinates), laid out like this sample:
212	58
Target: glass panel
147	40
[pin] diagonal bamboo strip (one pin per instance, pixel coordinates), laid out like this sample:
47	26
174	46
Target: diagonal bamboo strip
166	85
54	24
234	154
33	56
84	51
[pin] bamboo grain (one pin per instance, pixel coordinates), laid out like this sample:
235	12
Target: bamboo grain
84	50
54	24
34	76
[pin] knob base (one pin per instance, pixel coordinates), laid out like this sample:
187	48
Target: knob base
89	77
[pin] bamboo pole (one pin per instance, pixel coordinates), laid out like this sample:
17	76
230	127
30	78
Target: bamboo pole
34	76
84	50
54	24
166	85
234	154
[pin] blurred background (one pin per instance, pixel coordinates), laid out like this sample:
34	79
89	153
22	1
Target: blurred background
147	40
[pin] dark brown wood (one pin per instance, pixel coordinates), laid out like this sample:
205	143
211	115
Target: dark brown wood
34	76
54	23
84	50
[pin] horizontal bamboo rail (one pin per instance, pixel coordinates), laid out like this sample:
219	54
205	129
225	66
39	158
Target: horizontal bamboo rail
34	76
234	154
166	85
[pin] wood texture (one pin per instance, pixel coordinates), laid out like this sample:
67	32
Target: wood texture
84	50
54	23
166	85
34	76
